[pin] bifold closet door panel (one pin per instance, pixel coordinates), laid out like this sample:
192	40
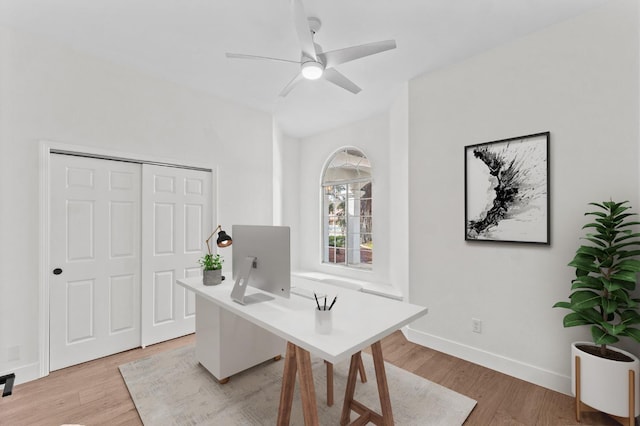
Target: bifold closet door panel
176	220
94	282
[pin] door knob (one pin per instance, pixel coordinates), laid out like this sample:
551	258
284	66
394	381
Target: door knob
57	271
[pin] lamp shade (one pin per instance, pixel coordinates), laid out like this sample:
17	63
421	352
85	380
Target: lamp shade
224	240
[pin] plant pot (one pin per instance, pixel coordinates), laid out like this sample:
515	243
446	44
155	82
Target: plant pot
604	383
212	277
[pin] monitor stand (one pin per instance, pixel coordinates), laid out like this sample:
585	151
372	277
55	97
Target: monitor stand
242	280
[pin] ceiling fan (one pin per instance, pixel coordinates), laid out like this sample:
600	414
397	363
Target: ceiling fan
314	63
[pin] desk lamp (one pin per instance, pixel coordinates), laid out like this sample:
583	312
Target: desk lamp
224	239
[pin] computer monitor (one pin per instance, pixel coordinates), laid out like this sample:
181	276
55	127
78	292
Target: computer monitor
261	259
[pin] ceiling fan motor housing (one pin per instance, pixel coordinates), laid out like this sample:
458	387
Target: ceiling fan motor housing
314	24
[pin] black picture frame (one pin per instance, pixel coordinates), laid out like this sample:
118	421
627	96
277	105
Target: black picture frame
506	190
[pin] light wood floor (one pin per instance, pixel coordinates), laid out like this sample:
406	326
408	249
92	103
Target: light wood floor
94	393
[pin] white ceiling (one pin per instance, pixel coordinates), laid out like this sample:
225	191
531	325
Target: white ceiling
185	41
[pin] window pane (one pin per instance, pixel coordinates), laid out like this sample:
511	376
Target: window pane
366	257
336	240
331	258
361	257
366	225
337	255
366	240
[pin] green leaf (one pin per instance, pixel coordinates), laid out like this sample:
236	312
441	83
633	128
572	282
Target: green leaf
581	273
624	254
632	265
584	300
574	319
598	205
626	285
565	305
594	240
585	263
621	217
599	214
614	329
591	251
621	296
600	337
606	263
619	209
592	315
601	229
634	333
609	305
617	247
607	222
630	317
625	276
612	285
587	281
626	224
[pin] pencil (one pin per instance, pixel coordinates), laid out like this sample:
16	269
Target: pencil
334	301
317	303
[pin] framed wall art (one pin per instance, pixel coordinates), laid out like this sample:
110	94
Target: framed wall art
507	190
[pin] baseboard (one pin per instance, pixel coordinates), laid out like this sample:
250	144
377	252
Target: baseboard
511	367
24	374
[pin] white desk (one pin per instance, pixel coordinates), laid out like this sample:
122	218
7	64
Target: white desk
359	320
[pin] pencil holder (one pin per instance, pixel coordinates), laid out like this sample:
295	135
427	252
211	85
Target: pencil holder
324	323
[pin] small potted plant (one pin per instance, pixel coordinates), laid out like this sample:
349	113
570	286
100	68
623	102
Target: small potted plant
602	298
211	269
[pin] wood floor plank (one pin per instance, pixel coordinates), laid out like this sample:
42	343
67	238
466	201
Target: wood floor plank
522	404
94	393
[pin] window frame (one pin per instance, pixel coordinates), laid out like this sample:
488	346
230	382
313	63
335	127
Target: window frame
332	187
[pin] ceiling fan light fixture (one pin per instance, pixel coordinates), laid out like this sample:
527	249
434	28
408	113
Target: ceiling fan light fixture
312	70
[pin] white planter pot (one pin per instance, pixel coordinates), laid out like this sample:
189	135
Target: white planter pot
604	383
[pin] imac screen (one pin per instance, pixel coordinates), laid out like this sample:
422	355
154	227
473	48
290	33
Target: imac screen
269	245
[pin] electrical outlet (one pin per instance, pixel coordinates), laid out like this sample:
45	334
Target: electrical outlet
476	325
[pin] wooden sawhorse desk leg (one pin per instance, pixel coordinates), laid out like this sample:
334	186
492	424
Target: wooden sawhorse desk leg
363	378
297	361
367	414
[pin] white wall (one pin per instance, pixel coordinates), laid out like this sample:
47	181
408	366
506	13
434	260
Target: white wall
372	137
399	192
578	80
48	92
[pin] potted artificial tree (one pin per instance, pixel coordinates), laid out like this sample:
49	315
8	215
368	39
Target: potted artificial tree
605	377
211	269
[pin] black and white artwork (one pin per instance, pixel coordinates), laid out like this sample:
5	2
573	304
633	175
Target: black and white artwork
507	190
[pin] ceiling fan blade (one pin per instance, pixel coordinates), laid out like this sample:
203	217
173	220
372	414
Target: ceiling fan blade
340	56
297	79
302	28
338	79
263	58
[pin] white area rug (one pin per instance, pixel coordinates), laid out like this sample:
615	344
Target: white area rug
172	388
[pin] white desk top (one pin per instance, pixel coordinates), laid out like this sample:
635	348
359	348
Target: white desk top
359	319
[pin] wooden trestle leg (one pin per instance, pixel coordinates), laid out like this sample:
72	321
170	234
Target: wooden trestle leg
288	385
367	414
297	361
363	378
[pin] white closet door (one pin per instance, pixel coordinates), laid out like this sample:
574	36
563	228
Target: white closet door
95	244
176	220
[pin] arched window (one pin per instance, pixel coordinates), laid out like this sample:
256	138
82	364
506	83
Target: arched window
347	215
